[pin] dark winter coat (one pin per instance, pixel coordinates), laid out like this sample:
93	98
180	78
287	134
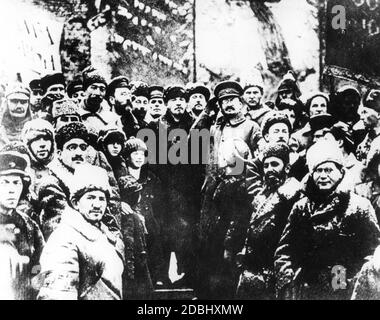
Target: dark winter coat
28	242
269	216
321	233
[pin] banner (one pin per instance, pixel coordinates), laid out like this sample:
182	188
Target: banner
353	39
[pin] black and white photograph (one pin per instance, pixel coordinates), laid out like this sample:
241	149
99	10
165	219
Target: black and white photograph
192	150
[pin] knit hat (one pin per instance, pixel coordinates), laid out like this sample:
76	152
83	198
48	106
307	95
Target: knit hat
70	131
323	151
278	150
134	144
52	79
91	76
173	92
193	88
89	178
74	86
111	134
64	107
272	118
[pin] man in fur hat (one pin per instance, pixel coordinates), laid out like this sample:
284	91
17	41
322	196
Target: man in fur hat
16	114
271	207
64	111
329	227
83	259
54	88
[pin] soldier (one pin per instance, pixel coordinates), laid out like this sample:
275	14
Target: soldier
327	230
17	112
157	107
83	259
253	96
63	112
36	95
54	88
271	207
21	240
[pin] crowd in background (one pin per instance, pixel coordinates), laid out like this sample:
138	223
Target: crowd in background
85	215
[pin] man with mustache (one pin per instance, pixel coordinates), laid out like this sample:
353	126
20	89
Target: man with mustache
275	128
63	112
157	107
92	109
16	113
53	193
178	181
271	207
253	94
198	98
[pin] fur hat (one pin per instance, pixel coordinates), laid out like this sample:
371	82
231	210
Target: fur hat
278	150
134	144
64	107
111	134
89	178
91	76
70	131
272	118
52	79
141	91
323	151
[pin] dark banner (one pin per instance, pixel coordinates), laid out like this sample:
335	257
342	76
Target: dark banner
356	47
154	40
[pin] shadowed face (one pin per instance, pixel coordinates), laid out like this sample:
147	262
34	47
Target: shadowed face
41	148
11	187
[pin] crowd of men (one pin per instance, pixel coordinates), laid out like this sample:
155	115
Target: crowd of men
85	215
